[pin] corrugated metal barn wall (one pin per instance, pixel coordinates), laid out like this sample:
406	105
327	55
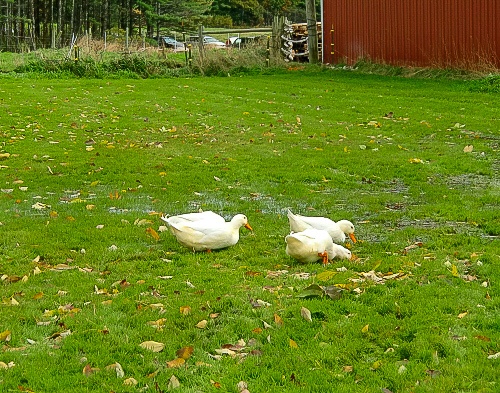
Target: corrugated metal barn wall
426	33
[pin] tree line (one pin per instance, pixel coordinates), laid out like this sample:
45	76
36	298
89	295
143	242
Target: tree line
46	23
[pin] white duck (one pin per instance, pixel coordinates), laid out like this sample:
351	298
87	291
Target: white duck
309	245
193	217
341	252
206	232
312	244
337	230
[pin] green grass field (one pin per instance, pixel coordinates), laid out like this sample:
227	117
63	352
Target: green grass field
87	276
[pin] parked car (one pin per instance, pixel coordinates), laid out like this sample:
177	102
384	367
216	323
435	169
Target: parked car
213	42
208	42
169	42
241	42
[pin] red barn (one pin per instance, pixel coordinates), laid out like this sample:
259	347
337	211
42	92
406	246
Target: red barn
423	33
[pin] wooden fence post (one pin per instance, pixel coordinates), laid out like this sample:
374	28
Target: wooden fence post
268	51
53	36
200	42
278	28
312	32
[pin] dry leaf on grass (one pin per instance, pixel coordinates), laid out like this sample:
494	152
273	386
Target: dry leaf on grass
117	367
311	290
306	314
130	382
176	363
412	246
242	387
326	275
202	324
88	370
173	383
153	346
185	310
151	232
158	324
37	296
5	336
185	352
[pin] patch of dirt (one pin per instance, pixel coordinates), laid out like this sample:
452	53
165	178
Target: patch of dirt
452	226
396	186
471	180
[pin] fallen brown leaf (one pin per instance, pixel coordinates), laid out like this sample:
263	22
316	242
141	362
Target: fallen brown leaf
5	336
158	324
184	352
306	314
173	383
185	310
39	295
117	367
88	370
202	324
278	320
151	232
152	346
347	369
176	363
130	382
215	384
433	373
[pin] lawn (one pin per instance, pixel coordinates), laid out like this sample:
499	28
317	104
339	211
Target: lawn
96	296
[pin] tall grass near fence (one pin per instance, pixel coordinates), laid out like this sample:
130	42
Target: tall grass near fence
94	60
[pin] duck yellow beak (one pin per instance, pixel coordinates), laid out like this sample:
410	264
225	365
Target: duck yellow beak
247	226
352	237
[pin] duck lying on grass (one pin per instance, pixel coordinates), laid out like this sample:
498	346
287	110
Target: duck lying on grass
337	230
206	231
312	245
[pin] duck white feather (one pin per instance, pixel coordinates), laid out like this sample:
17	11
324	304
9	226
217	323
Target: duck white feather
206	232
193	217
312	245
309	245
336	230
